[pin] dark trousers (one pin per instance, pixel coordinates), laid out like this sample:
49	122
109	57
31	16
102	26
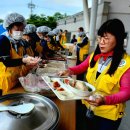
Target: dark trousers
0	92
96	123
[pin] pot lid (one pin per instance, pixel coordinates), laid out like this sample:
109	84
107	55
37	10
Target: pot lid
44	116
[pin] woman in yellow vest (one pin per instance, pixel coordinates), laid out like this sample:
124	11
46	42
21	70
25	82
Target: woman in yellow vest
80	30
11	61
82	51
42	33
51	42
83	47
64	37
58	38
29	41
108	69
30	38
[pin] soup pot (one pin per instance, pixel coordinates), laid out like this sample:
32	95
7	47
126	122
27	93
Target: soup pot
44	116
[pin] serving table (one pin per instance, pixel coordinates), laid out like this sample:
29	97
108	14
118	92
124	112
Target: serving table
67	109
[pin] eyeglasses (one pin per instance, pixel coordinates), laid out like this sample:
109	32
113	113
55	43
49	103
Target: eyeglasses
104	39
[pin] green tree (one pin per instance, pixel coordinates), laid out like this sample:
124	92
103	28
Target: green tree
59	16
42	20
51	22
1	20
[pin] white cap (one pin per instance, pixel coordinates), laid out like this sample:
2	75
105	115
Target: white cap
51	33
30	28
56	31
13	18
43	29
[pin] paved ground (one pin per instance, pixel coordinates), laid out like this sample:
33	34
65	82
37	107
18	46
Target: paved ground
125	124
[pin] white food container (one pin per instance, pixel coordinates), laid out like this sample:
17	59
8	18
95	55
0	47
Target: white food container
80	92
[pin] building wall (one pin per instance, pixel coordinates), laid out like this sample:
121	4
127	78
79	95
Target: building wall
124	17
72	23
119	6
128	44
107	9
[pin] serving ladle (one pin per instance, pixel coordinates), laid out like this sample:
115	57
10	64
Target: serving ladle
20	109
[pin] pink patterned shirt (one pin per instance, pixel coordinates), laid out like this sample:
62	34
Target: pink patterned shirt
124	93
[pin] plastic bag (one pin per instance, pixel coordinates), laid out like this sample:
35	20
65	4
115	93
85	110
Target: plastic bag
33	83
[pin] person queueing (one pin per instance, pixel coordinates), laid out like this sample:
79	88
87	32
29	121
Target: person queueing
80	30
83	50
64	37
11	61
81	35
108	69
73	40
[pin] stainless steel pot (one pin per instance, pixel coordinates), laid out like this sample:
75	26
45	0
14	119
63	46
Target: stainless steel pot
44	116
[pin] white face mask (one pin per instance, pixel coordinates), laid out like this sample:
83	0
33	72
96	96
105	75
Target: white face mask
57	38
41	37
17	35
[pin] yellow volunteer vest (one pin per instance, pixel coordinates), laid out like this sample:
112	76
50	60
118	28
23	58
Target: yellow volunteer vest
60	40
29	51
39	48
64	38
21	52
79	40
9	75
84	51
52	47
107	85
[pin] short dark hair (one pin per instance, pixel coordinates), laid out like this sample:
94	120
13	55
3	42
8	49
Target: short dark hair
116	28
14	24
81	29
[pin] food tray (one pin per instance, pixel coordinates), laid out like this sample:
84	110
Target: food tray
72	57
64	91
57	57
48	71
56	65
52	68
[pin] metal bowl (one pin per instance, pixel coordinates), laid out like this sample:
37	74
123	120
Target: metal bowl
45	115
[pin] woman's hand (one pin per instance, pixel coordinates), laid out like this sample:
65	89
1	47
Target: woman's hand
32	61
64	73
96	101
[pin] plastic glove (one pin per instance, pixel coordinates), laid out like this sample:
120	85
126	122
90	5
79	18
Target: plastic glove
96	100
31	60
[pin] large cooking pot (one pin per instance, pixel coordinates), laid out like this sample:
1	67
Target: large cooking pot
44	116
